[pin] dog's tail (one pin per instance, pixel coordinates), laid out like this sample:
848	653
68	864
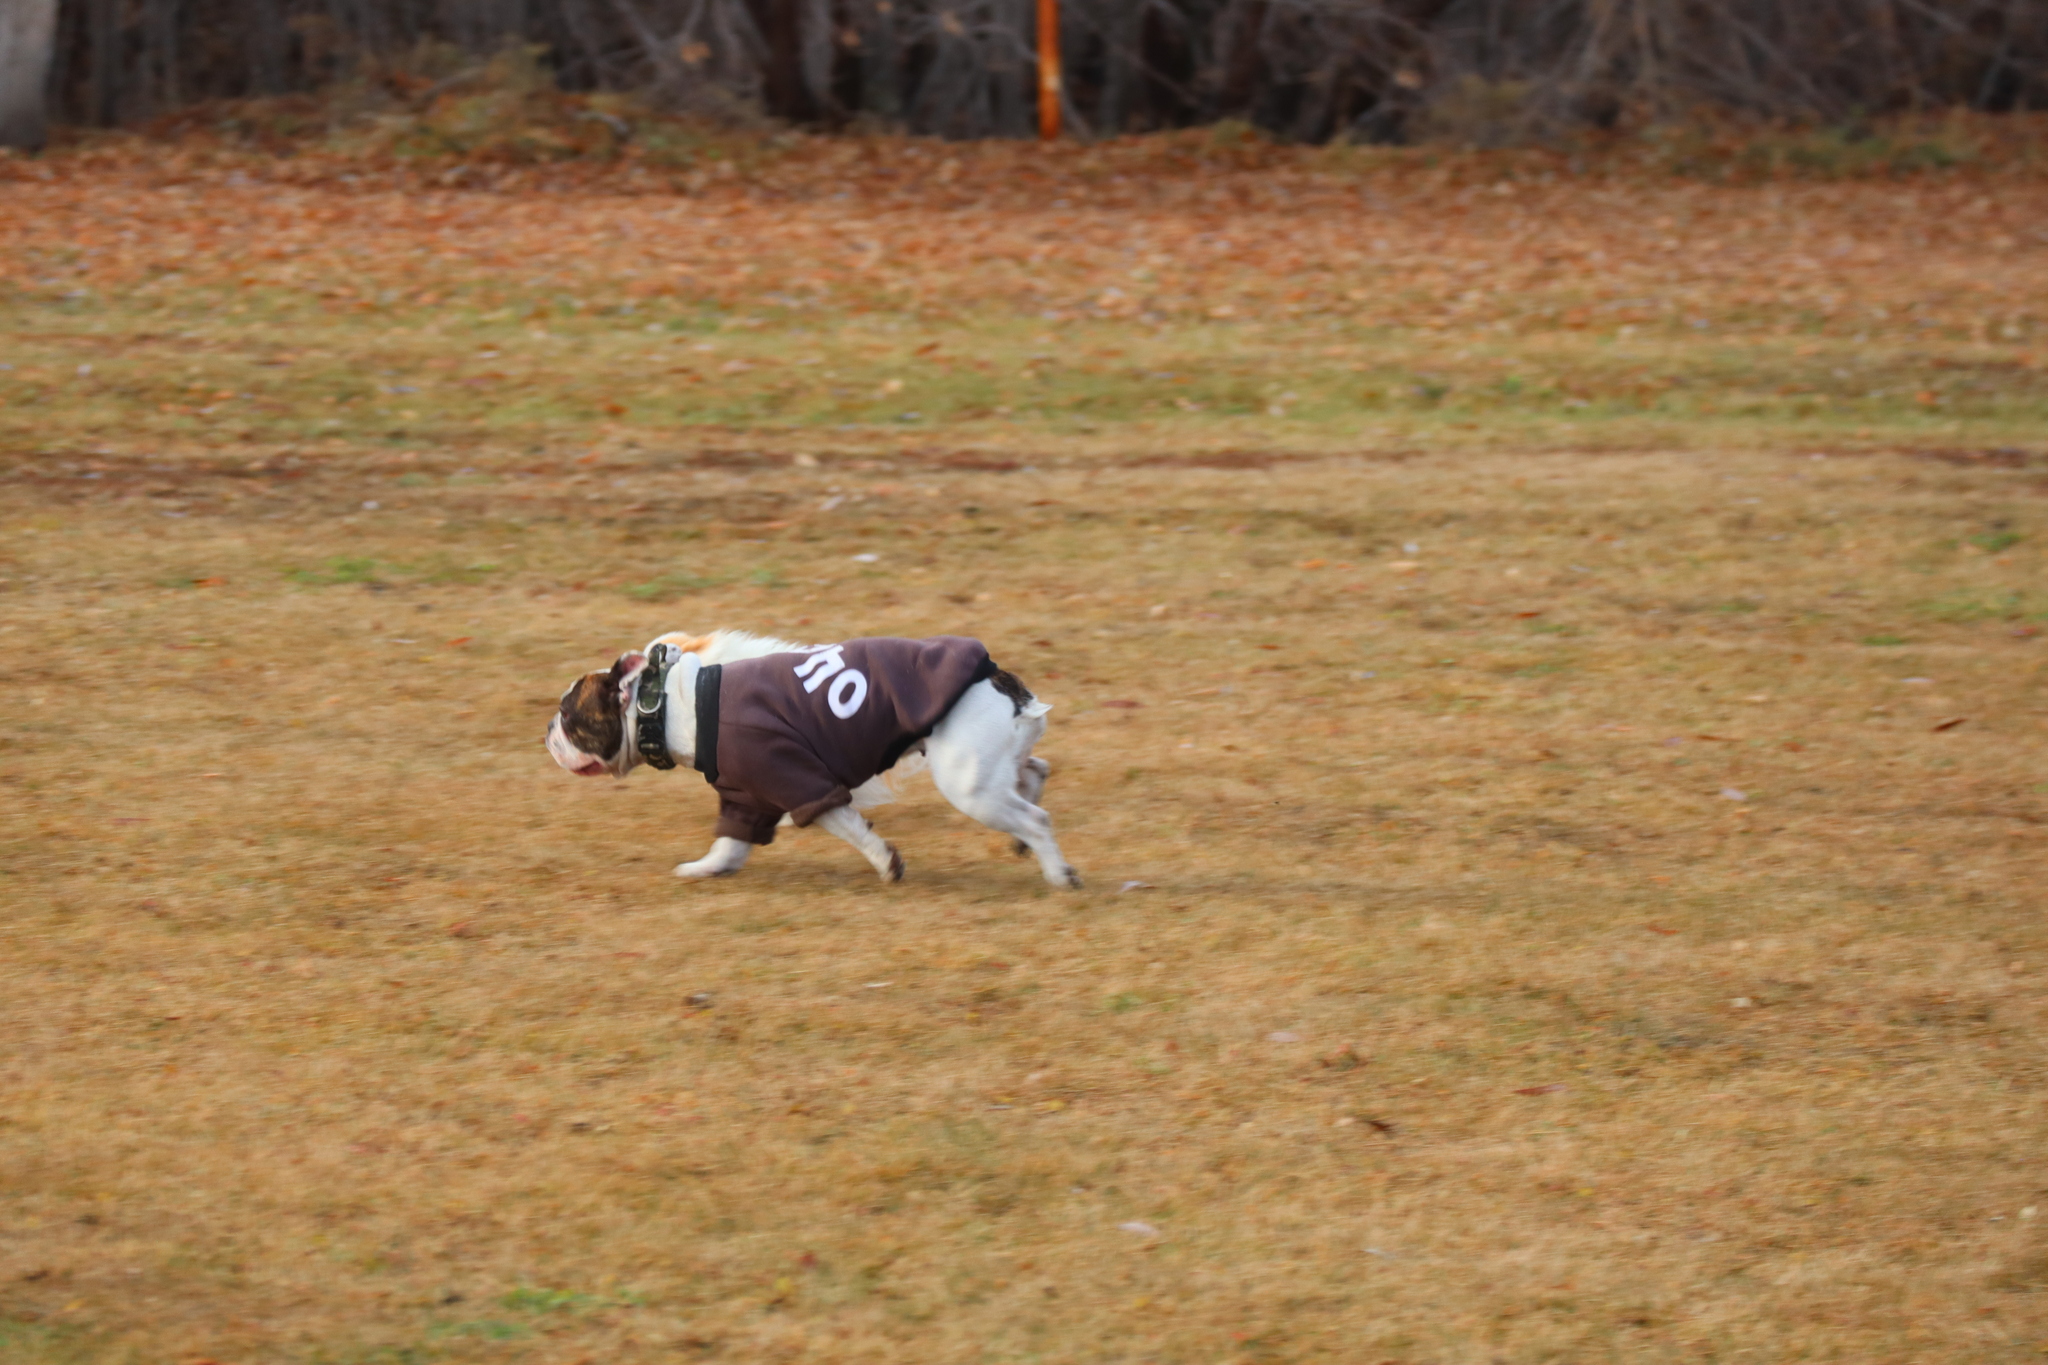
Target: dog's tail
1010	685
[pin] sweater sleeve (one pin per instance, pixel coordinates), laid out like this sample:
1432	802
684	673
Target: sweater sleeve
739	818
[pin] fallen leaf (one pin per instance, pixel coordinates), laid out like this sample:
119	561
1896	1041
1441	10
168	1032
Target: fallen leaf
1540	1090
1659	929
460	640
209	582
1951	723
1124	705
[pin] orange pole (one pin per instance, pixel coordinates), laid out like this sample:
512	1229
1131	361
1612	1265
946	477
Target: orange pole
1049	70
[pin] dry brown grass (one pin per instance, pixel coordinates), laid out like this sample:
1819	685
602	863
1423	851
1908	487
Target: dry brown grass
1455	1010
346	1028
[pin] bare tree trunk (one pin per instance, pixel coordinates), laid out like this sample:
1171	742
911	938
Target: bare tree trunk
1240	67
817	40
106	62
1122	37
268	44
160	26
782	27
28	37
881	87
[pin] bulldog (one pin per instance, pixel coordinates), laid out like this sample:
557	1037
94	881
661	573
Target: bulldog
790	734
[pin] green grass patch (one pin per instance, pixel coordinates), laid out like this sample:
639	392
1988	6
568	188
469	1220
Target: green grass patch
342	569
671	585
1964	606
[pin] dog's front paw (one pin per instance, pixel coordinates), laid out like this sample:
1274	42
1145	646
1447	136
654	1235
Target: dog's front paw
1065	877
894	871
704	869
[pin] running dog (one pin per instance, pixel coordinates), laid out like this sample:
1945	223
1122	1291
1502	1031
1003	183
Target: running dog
815	734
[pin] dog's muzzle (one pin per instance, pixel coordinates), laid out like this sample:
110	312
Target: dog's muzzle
569	756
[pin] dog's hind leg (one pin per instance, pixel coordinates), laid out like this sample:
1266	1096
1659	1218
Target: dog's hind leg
1031	776
726	857
980	762
1003	810
850	825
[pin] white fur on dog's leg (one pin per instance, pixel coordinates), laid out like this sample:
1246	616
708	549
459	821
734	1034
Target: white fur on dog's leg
1031	775
850	825
980	756
726	857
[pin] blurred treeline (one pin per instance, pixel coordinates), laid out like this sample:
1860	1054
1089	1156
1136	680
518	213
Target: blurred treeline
1489	72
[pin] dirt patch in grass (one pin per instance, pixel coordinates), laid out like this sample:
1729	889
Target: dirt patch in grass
2004	457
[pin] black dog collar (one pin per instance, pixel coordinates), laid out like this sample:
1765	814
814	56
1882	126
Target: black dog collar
650	706
707	721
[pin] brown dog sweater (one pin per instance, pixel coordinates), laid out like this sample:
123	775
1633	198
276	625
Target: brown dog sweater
796	733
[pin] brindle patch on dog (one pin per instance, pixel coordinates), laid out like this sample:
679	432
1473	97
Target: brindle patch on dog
593	715
1011	686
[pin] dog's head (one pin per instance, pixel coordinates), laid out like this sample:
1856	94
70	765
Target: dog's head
588	735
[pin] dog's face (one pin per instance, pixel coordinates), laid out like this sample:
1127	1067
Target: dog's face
588	734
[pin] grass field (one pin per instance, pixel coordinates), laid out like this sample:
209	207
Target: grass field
1549	704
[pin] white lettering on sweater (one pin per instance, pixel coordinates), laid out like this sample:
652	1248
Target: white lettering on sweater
848	691
823	663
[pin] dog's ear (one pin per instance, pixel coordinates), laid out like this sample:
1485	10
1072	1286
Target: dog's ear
626	666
